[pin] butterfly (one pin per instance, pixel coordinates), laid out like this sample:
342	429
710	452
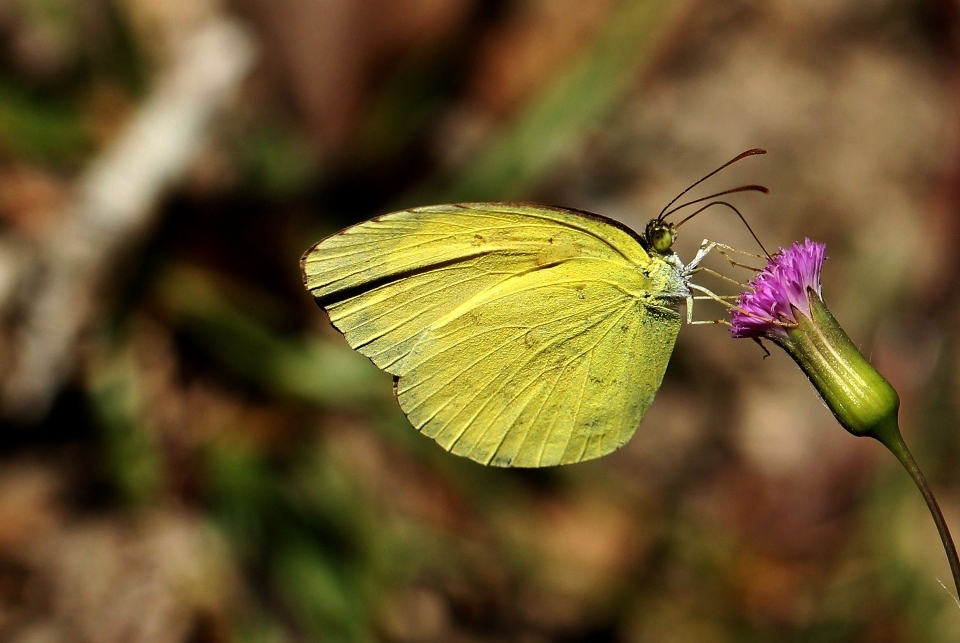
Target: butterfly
518	334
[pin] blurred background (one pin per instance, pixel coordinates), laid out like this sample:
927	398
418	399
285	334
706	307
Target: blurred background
189	453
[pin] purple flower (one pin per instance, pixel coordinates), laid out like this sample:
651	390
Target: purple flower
767	308
783	303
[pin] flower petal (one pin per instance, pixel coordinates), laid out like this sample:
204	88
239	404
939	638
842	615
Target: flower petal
766	307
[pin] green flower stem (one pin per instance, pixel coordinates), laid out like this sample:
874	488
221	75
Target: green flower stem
860	398
890	437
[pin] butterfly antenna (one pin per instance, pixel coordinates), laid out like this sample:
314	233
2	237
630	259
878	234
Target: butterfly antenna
713	203
744	155
742	188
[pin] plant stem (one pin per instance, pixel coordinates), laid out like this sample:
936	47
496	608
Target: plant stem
892	439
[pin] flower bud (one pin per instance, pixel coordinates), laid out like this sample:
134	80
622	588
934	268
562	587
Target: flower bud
859	397
784	304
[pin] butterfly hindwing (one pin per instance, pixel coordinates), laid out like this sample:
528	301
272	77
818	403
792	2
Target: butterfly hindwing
521	335
568	380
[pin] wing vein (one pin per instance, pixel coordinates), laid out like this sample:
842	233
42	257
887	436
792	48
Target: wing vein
504	381
570	226
533	381
589	354
348	292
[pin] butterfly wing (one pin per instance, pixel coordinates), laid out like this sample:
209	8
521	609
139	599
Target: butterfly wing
520	335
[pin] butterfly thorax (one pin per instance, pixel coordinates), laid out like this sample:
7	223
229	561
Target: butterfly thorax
667	269
668	287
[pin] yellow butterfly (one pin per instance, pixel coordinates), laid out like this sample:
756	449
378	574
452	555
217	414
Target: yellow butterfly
519	335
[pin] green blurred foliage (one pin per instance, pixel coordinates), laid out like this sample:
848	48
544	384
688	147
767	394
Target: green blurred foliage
276	161
308	368
36	128
512	163
132	452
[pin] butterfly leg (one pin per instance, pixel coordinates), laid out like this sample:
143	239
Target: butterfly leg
707	246
709	295
692	268
702	253
718	276
700	322
723	250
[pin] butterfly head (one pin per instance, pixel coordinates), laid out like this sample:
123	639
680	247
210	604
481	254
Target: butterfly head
660	236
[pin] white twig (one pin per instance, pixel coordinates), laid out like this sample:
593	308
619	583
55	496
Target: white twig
112	212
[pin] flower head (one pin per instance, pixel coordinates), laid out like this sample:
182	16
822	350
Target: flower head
784	304
766	309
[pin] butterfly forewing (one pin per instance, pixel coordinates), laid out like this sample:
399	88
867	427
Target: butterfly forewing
521	335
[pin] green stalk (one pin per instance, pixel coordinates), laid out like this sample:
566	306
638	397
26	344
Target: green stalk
890	437
860	398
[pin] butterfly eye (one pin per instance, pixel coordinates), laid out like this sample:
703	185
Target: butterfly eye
660	236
